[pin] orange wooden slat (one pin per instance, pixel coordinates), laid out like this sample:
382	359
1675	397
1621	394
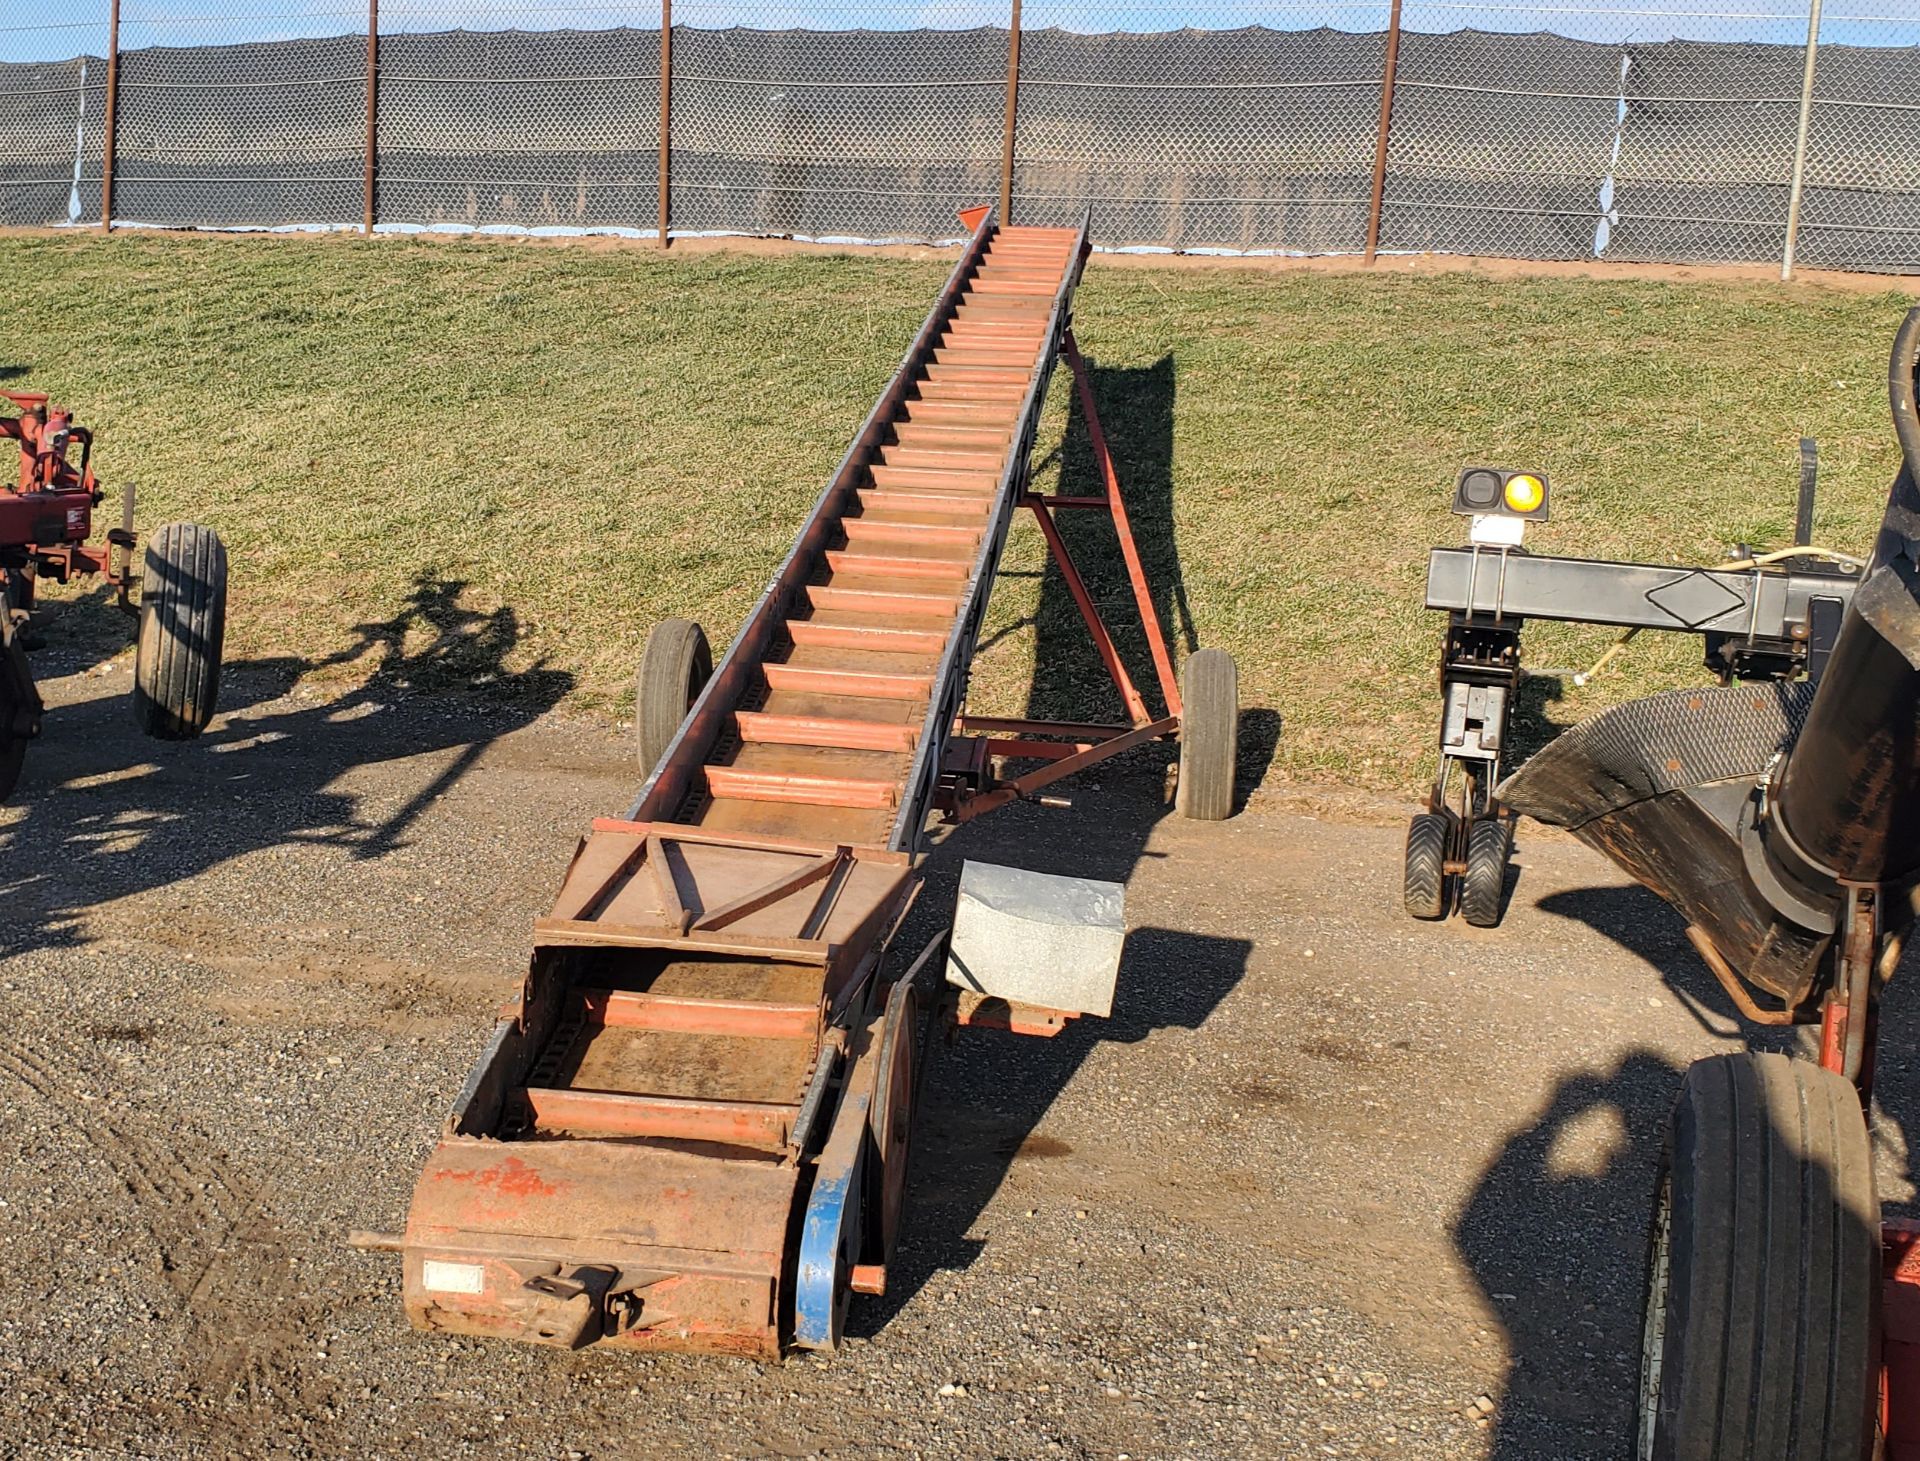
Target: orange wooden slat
878	530
783	786
876	684
609	1113
881	601
877	637
938	569
821	730
683	1015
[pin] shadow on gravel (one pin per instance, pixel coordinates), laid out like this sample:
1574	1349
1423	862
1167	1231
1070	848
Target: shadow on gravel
102	813
1556	1232
1645	925
1556	1235
986	1094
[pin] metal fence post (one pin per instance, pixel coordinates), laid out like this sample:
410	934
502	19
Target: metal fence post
113	100
373	108
666	117
1800	141
1388	73
1012	119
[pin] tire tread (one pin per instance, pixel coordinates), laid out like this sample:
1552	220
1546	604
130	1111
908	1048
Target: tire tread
1209	735
1772	1318
1424	881
1483	887
183	611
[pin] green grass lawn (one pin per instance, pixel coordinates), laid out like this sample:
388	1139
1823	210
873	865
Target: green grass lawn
586	440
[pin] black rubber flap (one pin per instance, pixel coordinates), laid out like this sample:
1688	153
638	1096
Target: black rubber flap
1673	741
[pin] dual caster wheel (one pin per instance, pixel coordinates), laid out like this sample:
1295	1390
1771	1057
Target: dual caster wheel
1762	1319
1429	888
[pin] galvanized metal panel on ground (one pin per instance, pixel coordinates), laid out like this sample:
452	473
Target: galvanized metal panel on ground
1037	938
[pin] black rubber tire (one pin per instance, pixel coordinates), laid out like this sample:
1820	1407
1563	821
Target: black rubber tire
183	628
1209	735
1425	886
674	668
1483	886
1763	1322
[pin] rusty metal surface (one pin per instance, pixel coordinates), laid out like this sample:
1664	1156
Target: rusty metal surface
690	1245
685	889
1900	1340
624	1164
46	515
871	616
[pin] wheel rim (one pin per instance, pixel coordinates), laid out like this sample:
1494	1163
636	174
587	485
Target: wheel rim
1653	1336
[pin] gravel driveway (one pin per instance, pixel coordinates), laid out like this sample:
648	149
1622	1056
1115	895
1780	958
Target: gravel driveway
1330	1182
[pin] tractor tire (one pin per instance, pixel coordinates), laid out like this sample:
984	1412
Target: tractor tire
1763	1313
674	668
1484	885
1209	735
183	626
1425	886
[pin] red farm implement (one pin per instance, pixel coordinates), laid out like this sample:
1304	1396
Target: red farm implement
46	517
690	1130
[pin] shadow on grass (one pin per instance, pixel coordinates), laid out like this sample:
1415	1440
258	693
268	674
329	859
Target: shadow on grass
1069	683
1532	725
102	813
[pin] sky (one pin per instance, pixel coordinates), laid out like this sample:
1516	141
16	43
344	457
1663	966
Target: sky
58	29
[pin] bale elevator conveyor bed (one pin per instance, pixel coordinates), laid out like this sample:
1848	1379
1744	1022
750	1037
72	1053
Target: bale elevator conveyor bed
690	1129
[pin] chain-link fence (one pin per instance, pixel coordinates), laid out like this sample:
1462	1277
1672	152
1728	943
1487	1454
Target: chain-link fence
230	118
53	97
1651	130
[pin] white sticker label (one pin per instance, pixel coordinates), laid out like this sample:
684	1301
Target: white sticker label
452	1278
1495	530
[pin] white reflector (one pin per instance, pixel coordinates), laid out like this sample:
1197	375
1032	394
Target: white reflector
452	1278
